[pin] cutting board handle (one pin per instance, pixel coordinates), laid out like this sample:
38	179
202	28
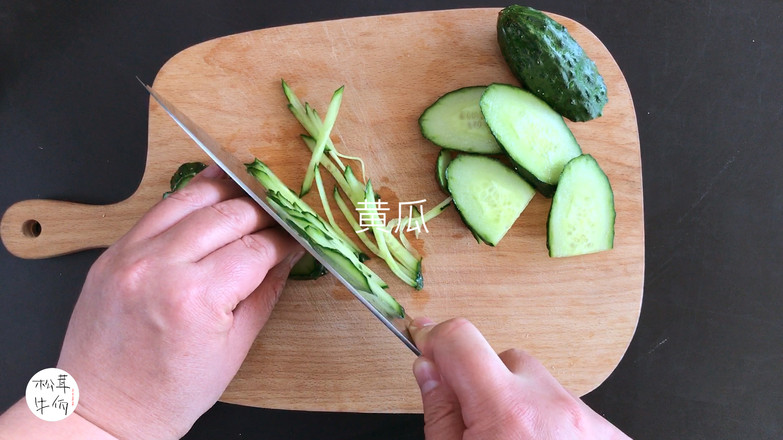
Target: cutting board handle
47	228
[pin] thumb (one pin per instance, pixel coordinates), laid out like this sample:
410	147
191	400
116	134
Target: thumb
442	413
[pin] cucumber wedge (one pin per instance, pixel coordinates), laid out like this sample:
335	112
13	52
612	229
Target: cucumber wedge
534	136
488	195
581	218
455	122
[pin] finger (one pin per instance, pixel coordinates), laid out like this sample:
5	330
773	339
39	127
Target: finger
517	361
526	366
442	413
530	369
252	313
212	227
465	360
206	188
238	268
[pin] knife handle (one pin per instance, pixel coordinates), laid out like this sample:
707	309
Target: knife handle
47	228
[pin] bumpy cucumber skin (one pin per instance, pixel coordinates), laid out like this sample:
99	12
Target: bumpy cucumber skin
182	176
547	61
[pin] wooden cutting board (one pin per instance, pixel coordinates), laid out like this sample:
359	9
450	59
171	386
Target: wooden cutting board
322	350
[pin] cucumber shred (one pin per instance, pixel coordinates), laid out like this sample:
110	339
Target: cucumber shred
535	137
582	215
330	244
396	255
455	122
488	195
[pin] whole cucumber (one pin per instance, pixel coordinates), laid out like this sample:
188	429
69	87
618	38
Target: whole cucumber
548	62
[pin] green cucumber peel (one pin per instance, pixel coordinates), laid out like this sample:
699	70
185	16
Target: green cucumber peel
354	224
321	138
330	217
381	233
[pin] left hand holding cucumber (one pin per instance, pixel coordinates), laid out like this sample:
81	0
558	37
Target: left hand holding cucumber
168	313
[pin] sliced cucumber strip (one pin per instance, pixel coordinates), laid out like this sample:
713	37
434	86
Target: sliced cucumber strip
408	276
455	122
308	117
533	135
581	218
328	211
352	221
444	159
323	136
356	187
326	163
325	240
488	195
418	222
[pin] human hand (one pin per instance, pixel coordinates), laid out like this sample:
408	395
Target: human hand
168	313
469	392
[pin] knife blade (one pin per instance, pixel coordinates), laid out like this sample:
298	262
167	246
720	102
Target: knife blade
235	169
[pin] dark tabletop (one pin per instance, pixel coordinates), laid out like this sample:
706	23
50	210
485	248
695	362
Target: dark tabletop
706	361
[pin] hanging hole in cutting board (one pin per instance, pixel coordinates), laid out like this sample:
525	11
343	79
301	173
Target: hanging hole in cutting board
31	228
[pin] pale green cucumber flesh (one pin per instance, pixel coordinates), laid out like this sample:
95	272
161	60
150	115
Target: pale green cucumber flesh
534	136
455	122
582	215
488	195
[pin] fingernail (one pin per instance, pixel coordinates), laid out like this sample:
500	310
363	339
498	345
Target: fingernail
426	374
420	323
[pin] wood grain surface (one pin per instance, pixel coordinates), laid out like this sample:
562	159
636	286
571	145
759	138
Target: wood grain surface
321	350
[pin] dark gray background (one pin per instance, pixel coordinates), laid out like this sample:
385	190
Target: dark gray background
706	360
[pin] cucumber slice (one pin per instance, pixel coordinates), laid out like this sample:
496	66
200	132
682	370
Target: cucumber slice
581	218
455	122
444	159
533	135
183	175
307	268
488	195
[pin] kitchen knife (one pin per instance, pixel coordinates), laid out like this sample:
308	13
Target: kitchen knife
237	171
